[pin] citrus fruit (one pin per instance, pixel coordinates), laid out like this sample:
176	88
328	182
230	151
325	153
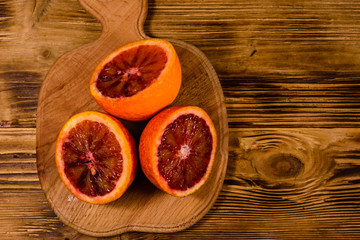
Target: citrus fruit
177	149
95	157
137	80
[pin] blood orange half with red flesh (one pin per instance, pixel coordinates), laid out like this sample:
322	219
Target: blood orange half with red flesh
137	80
95	157
177	149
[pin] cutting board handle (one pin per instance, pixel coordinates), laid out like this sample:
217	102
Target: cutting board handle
124	17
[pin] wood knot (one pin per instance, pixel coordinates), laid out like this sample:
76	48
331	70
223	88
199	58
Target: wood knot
280	168
46	53
285	159
284	166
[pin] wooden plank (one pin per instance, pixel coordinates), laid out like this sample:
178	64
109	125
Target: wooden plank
304	196
285	184
33	35
13	140
25	215
282	64
17	159
283	57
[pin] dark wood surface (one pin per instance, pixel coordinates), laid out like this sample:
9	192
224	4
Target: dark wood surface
290	75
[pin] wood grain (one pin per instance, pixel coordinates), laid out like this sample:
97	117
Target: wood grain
283	65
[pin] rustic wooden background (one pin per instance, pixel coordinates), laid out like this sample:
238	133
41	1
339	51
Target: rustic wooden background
290	72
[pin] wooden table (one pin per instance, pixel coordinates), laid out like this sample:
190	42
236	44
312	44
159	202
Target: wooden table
290	72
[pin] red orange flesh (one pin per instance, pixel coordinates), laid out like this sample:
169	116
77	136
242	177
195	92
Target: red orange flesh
177	149
95	157
137	80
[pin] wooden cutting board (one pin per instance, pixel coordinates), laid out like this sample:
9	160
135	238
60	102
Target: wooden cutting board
65	92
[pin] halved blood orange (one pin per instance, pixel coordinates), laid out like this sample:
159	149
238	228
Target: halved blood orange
177	149
137	80
95	157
